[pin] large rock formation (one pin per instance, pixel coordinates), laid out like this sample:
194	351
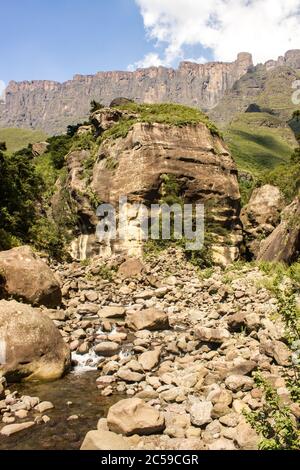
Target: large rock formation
284	242
51	106
25	276
261	215
136	166
32	347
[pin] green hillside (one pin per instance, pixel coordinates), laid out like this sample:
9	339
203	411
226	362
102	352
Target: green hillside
17	139
259	141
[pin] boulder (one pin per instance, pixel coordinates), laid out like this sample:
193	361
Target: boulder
25	276
277	350
284	242
111	312
236	383
261	215
104	440
200	412
107	348
150	359
34	347
134	416
132	267
14	428
212	335
148	319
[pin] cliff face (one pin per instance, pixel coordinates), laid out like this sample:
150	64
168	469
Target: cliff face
51	106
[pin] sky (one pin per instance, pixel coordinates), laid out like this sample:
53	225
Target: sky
56	39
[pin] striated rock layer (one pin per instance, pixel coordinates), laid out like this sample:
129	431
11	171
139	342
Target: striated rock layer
51	106
135	166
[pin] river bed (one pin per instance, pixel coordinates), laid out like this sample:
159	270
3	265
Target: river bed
59	433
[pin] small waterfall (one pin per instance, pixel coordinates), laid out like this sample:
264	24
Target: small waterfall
85	362
79	248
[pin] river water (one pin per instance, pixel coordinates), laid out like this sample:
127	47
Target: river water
59	433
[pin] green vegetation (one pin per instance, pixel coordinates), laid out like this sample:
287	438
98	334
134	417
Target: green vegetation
274	421
95	106
259	142
17	139
167	113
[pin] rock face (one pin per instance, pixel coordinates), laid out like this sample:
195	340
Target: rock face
284	242
34	348
52	106
134	416
261	215
135	166
23	275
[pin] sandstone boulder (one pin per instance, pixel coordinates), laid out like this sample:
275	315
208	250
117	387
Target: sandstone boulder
261	215
148	319
277	350
134	416
132	267
212	335
284	242
34	347
23	275
104	440
150	359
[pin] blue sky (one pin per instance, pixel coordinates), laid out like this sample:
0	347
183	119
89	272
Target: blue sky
56	39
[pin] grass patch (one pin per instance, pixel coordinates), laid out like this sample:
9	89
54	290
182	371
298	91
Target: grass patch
17	139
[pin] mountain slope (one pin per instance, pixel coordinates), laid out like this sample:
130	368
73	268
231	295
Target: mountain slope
17	139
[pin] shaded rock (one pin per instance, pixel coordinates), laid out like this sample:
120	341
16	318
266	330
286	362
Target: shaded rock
239	382
134	416
34	347
25	276
148	319
284	242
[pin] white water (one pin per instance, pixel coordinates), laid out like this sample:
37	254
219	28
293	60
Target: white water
85	362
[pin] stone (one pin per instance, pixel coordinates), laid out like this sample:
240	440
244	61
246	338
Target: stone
246	437
112	312
132	267
44	406
150	359
107	348
148	319
277	350
14	428
222	444
134	416
105	440
200	412
212	335
21	414
129	376
25	276
35	349
239	382
243	320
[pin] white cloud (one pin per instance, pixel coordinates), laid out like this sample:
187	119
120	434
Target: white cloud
266	28
150	60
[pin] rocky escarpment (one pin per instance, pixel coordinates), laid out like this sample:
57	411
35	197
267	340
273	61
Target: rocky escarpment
268	86
142	165
51	106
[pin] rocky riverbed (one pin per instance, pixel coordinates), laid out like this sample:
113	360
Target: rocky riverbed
179	345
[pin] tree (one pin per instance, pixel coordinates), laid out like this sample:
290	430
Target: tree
95	106
3	147
295	158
